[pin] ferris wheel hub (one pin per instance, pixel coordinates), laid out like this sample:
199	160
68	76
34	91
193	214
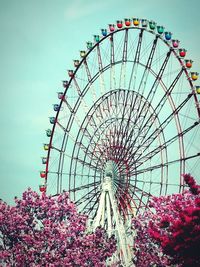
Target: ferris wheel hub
109	172
107	184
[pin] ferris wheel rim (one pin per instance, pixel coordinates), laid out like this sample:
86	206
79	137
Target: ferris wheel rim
82	62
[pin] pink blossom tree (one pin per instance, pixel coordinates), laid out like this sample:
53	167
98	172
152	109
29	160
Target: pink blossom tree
48	231
168	234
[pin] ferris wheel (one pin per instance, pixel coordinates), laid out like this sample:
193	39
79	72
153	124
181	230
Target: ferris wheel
127	124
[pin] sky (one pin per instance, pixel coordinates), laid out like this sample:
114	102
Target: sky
39	40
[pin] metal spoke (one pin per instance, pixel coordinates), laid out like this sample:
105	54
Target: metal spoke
153	152
152	168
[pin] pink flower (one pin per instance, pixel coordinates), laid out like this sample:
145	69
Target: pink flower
41	229
170	233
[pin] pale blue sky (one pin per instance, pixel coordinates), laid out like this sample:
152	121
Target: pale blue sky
39	40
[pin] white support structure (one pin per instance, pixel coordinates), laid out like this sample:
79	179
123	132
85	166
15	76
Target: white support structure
108	216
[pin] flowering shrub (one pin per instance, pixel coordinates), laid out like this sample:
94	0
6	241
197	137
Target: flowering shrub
169	232
48	231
